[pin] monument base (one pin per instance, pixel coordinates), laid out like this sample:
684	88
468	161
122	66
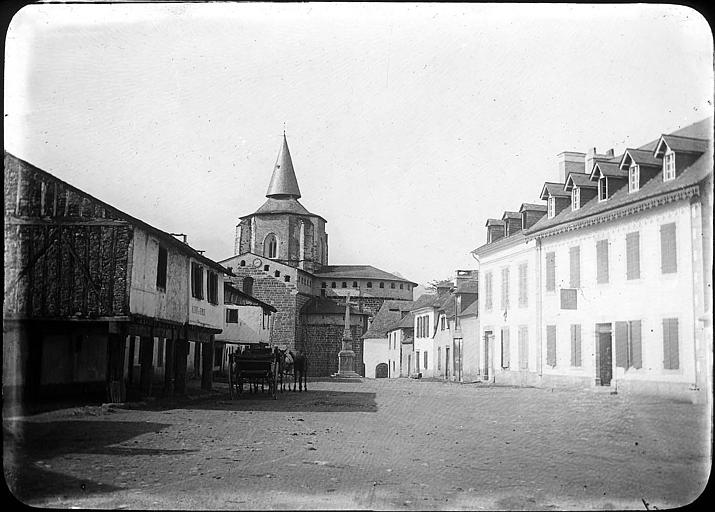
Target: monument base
346	366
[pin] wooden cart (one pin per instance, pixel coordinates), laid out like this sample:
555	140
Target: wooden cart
253	367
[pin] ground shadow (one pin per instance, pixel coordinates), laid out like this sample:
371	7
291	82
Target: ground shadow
288	401
27	443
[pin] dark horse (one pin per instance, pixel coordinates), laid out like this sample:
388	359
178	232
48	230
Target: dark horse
300	370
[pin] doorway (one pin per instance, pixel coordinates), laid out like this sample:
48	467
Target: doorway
488	340
604	355
446	363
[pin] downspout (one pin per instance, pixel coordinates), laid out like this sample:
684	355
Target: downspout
539	314
694	235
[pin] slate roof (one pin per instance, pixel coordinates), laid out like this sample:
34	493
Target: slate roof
358	272
471	310
610	169
425	300
652	189
511	215
283	180
531	207
246	297
553	189
579	179
389	314
494	222
275	205
681	144
641	157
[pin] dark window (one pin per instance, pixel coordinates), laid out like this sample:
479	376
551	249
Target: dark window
551	345
426	359
441	323
270	246
248	285
392	285
401	286
212	287
332	285
568	298
668	253
633	256
575	345
369	284
575	270
286	279
323	284
628	344
355	284
243	263
161	268
550	271
382	285
231	316
160	352
197	281
266	267
277	273
671	359
602	261
344	284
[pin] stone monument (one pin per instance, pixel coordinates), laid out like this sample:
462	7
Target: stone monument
346	357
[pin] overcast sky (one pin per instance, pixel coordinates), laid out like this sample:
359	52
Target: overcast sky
409	125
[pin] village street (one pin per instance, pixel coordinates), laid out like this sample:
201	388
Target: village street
383	444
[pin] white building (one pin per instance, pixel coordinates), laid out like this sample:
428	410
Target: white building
380	360
625	268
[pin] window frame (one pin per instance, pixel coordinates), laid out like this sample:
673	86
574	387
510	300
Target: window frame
669	165
575	198
633	178
551	207
162	268
602	188
197	280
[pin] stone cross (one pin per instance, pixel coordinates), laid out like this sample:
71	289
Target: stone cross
346	357
347	335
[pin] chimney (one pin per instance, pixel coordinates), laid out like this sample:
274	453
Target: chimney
592	157
569	161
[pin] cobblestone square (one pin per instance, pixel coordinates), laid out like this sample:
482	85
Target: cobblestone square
384	444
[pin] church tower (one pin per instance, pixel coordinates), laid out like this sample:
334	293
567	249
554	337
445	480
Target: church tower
282	229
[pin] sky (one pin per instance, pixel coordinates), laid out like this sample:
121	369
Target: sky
408	124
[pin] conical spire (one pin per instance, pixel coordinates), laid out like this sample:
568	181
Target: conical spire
283	182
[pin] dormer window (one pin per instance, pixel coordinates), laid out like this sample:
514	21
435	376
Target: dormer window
551	206
669	165
633	178
523	220
602	188
575	198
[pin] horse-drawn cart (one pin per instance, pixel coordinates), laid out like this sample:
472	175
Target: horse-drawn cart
254	367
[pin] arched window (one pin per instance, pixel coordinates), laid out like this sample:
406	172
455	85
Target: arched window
369	284
332	285
382	285
355	284
248	285
270	246
345	285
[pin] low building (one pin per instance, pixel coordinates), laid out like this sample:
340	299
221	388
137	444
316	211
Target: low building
376	344
89	290
401	350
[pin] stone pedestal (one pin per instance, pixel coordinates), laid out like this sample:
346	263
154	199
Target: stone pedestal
346	357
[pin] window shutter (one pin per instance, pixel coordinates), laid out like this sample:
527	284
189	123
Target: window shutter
576	345
670	344
633	256
602	261
523	347
551	345
575	261
523	300
668	253
505	347
488	290
550	271
622	344
636	350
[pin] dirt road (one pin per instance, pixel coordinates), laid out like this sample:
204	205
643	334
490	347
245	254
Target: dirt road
399	444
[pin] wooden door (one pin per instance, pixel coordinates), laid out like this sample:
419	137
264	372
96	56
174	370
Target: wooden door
605	370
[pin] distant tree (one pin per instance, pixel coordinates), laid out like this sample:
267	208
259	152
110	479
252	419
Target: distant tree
431	287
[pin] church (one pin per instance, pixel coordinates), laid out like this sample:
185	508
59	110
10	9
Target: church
281	257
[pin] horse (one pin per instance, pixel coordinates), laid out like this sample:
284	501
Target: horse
300	370
284	367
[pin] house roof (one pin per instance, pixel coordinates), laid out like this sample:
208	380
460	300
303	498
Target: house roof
424	300
578	179
681	144
531	207
511	215
167	238
610	169
494	222
248	298
358	272
621	201
640	157
506	241
553	189
471	310
389	314
283	181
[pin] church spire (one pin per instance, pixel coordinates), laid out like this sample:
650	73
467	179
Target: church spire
283	182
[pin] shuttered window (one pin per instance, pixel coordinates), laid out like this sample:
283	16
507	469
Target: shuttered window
628	344
671	359
523	347
197	281
633	256
212	287
575	266
569	298
602	261
575	345
505	347
161	268
488	290
551	345
505	288
523	283
668	253
550	271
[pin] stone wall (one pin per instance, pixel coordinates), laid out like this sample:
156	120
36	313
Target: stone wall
324	341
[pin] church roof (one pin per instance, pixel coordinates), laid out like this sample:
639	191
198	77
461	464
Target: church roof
358	272
283	181
283	205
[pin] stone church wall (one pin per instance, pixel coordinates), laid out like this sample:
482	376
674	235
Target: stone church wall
324	341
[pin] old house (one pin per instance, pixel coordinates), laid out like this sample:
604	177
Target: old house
401	349
376	344
625	267
283	248
89	290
